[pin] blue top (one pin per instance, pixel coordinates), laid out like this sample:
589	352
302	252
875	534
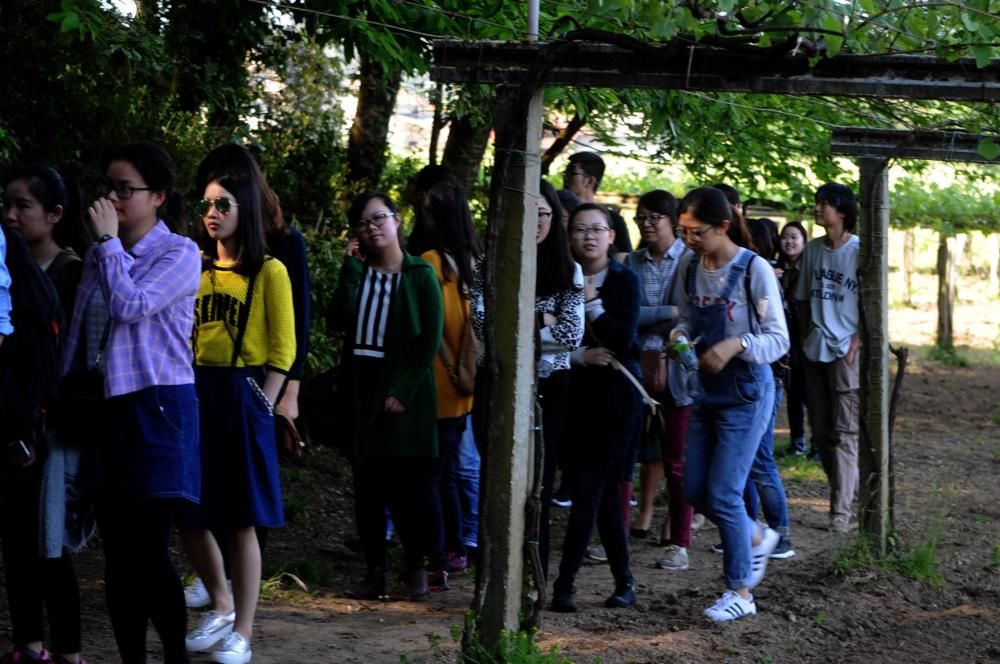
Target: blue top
5	326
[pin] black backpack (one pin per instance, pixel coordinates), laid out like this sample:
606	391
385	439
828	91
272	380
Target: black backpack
30	357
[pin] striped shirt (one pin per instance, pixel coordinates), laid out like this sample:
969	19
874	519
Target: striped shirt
375	297
150	293
5	326
655	320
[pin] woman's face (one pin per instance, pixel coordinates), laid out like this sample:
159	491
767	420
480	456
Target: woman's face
792	242
544	220
221	226
653	226
25	215
590	235
140	206
702	238
378	228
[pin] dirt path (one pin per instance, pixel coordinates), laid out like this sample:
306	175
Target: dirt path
948	462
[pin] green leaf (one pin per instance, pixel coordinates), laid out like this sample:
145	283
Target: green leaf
988	149
983	53
969	23
765	41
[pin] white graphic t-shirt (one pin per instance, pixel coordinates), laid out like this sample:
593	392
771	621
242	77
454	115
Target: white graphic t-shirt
829	282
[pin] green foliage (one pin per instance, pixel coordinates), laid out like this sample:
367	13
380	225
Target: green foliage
969	202
947	356
919	564
800	469
512	648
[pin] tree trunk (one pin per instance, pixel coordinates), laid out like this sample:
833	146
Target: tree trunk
468	137
436	124
946	288
366	146
959	244
874	445
994	253
908	242
147	11
562	140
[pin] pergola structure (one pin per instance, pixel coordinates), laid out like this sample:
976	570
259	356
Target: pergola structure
520	70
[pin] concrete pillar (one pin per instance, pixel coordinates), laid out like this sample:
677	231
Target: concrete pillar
510	395
876	516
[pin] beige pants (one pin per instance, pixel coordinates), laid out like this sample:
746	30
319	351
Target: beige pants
834	419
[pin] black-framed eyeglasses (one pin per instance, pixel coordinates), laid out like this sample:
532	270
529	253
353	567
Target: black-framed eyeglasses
648	219
695	232
123	190
375	221
221	204
569	173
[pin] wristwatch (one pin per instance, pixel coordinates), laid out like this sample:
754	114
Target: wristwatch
105	238
744	342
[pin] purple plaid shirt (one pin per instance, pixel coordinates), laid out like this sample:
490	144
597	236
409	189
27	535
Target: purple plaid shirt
150	292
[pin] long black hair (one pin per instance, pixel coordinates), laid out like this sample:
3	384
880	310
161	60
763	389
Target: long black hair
249	227
764	233
235	160
54	190
157	169
710	206
554	266
445	226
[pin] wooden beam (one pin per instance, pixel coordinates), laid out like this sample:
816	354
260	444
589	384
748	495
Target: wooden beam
875	515
706	68
903	144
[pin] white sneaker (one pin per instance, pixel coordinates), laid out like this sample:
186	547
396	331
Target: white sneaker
760	554
597	553
196	595
235	649
731	607
214	627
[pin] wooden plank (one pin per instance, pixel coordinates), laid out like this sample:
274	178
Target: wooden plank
713	69
904	144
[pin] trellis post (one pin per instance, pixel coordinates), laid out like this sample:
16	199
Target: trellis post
510	305
873	277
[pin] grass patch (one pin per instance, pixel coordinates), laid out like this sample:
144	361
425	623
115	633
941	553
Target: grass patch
800	469
919	564
947	356
513	648
295	576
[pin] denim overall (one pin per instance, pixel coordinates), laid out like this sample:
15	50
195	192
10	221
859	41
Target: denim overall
727	422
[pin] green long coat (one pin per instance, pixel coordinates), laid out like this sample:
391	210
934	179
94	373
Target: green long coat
413	336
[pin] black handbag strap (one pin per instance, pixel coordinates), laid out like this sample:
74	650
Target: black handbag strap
243	321
105	335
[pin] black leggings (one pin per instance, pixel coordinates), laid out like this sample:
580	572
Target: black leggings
35	584
141	582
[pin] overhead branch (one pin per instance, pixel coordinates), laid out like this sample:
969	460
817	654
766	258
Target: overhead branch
564	138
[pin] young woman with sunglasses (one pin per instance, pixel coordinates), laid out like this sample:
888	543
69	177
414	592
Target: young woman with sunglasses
388	305
604	427
244	343
136	298
656	264
737	327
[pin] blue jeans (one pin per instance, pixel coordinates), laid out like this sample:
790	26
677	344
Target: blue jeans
724	432
467	478
765	481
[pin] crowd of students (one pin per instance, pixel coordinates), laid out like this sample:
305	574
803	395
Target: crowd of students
183	351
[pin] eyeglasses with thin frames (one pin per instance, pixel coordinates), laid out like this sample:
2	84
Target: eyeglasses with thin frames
585	231
123	190
648	219
694	232
377	220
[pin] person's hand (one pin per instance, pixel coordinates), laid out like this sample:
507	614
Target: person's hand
779	273
549	319
597	357
289	404
853	350
353	248
717	357
104	216
394	406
